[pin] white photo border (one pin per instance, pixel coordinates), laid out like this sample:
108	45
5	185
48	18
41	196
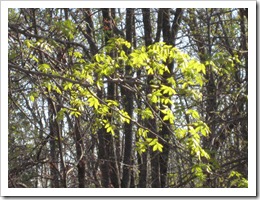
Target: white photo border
250	191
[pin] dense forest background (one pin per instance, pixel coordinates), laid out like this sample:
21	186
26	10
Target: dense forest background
127	98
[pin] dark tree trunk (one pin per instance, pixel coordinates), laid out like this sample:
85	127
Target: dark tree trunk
147	26
169	37
159	25
151	124
102	156
108	26
53	148
128	104
166	26
80	154
176	25
90	32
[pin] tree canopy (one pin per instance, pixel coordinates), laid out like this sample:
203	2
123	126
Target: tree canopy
127	98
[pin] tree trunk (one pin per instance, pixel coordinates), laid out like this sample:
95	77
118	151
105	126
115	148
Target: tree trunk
128	105
169	37
80	154
151	124
54	168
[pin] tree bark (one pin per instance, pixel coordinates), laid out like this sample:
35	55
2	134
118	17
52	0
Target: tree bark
80	154
128	105
151	124
54	169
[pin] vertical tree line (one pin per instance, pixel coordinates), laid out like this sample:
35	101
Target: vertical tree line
121	98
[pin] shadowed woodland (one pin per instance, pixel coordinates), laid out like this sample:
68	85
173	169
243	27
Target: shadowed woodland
127	98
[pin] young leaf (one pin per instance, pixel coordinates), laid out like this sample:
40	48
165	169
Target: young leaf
31	98
155	147
153	142
93	102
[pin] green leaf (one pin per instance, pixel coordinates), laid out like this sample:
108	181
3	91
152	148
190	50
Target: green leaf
48	87
77	54
67	86
171	81
123	55
55	88
108	127
237	180
60	114
98	57
168	115
193	113
143	133
185	85
111	102
110	130
159	147
149	139
44	67
155	147
34	58
203	68
124	116
180	133
33	95
28	43
153	142
150	71
93	102
140	146
31	98
167	90
205	154
146	114
75	113
154	99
